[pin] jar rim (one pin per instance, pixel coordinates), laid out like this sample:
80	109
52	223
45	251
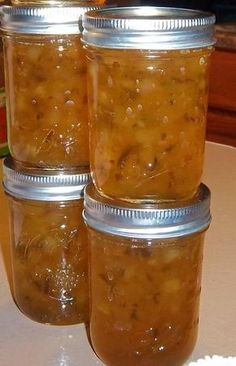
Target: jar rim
46	20
148	27
147	220
47	185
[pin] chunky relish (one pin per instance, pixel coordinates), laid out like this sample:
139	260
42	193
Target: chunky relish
49	255
46	87
144	298
147	112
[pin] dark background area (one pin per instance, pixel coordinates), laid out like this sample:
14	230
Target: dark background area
225	10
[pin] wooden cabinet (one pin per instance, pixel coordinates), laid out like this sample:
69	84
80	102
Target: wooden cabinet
221	125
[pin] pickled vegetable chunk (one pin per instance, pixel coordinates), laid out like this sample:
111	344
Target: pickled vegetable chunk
46	87
49	258
147	112
144	299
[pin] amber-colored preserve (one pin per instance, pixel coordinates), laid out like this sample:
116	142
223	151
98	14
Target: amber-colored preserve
145	298
46	86
145	279
49	252
147	98
3	127
46	78
49	258
148	121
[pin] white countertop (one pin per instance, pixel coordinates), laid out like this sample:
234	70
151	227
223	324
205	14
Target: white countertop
26	343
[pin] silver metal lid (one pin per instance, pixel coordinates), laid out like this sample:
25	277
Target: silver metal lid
162	220
43	20
148	27
48	186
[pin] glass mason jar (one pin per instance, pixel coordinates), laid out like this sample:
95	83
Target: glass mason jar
145	278
46	86
49	244
147	97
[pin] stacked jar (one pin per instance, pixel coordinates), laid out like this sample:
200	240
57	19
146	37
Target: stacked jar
45	69
146	210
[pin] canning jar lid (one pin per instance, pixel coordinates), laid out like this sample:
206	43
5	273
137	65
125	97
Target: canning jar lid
156	220
43	20
148	27
47	185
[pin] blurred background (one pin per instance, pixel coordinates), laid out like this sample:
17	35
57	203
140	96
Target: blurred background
225	10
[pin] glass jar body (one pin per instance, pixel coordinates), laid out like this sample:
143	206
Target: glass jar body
49	260
147	112
47	100
144	298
